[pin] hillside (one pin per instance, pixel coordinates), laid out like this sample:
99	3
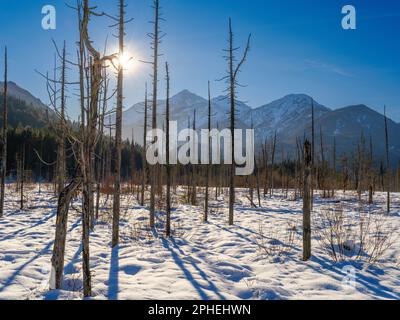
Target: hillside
23	108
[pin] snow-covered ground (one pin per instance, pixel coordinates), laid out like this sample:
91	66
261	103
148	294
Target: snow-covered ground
201	261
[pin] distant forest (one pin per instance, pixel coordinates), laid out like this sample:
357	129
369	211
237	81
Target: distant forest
31	138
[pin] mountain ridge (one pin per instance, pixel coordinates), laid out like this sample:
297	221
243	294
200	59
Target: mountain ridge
24	108
18	92
289	116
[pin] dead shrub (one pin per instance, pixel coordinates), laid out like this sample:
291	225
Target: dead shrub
275	246
357	236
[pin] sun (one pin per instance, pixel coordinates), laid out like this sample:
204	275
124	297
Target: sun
126	61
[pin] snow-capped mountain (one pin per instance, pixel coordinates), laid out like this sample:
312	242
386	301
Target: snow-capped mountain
285	116
184	107
289	116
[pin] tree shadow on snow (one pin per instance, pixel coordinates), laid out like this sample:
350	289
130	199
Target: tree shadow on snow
113	283
364	282
45	250
189	276
231	230
36	224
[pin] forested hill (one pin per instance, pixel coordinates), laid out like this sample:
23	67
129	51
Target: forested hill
24	109
31	131
22	114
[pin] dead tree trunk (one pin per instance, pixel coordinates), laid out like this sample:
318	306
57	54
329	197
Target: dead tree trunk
118	130
257	171
313	152
271	190
61	156
22	177
5	133
101	161
89	133
371	173
144	161
265	161
168	166
206	211
334	168
57	260
232	80
387	163
307	202
323	164
193	193
156	41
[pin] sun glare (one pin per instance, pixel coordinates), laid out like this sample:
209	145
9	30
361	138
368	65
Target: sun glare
126	61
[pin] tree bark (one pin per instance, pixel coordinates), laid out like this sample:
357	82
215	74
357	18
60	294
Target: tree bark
118	132
206	210
313	152
22	176
5	138
61	156
144	161
154	116
271	190
194	169
387	164
168	166
57	260
307	202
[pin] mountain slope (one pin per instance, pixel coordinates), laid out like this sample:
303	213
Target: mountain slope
289	116
17	92
285	116
183	106
23	108
348	124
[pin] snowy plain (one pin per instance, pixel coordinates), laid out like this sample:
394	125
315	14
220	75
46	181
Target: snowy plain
201	261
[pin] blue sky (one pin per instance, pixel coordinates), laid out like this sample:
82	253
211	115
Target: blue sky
297	47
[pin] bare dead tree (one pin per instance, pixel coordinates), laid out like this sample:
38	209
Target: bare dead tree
102	153
61	153
66	192
193	198
22	175
265	161
334	168
206	209
57	260
89	137
256	173
156	38
371	174
168	166
307	202
273	147
118	130
231	78
5	133
312	152
360	166
144	162
387	162
323	163
40	169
